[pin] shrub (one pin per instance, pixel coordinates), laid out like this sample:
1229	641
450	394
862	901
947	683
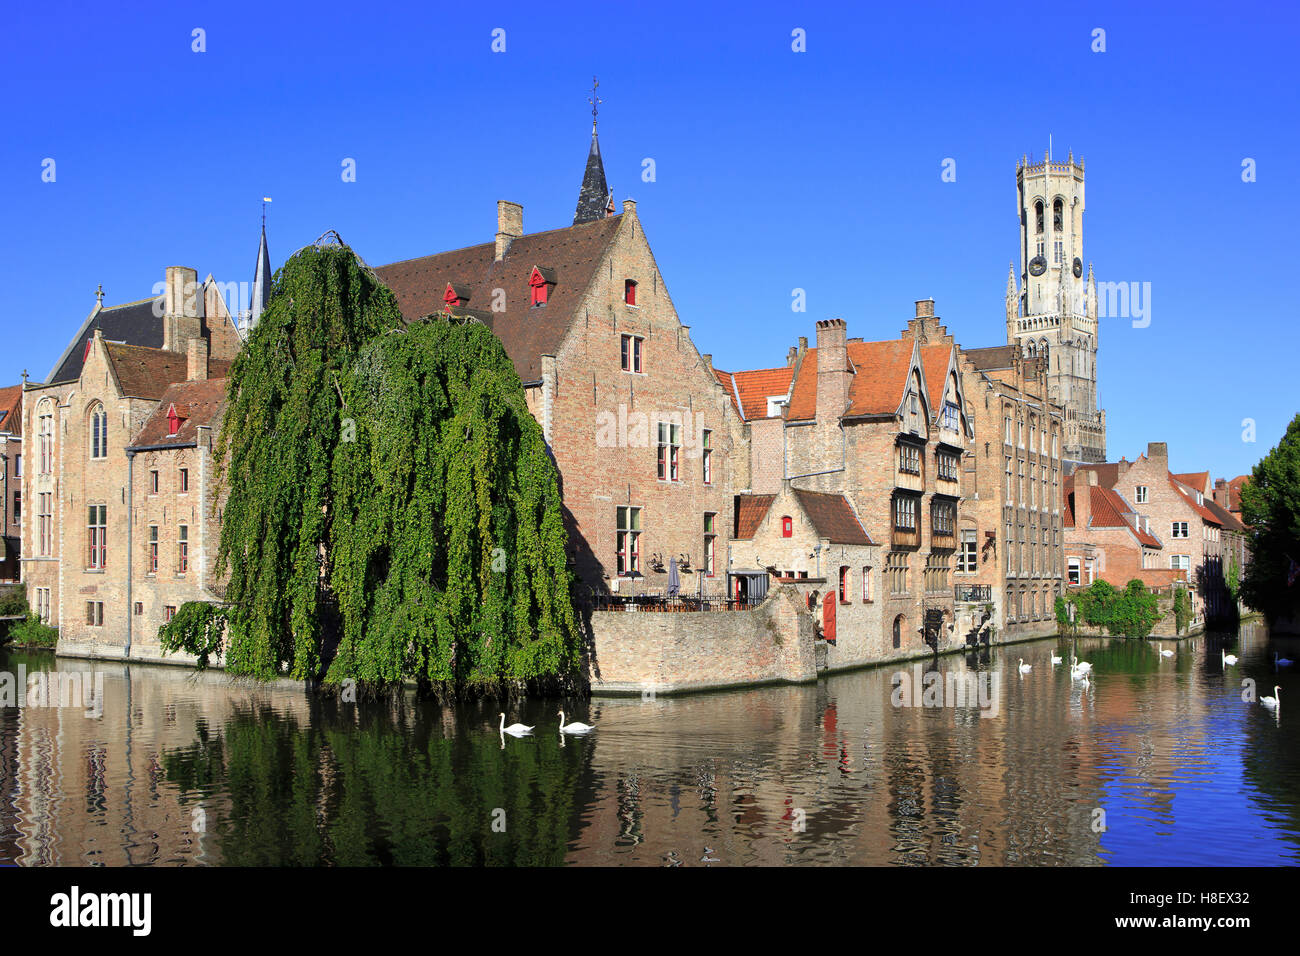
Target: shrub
33	632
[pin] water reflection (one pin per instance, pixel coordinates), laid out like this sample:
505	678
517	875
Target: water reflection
1155	761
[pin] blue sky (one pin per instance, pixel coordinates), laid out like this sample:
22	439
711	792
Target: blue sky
775	170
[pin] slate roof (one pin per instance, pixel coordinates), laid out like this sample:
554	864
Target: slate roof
833	517
750	512
1226	518
593	197
11	409
134	323
996	356
198	403
147	372
750	390
527	332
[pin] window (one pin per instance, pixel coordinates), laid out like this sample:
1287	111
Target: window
45	429
905	513
153	482
183	550
844	584
710	540
1180	562
139	608
706	455
1006	430
1058	250
151	561
537	287
629	292
1178	530
943	517
631	353
183	481
629	540
947	466
18	466
787	526
866	585
45	524
43	604
909	459
916	408
18	507
670	451
1011	497
1141	494
98	432
169	612
950	417
1058	216
97	526
896	572
1073	564
966	557
95	613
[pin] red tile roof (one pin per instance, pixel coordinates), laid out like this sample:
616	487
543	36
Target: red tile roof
935	359
1190	496
878	385
750	390
11	409
1200	480
197	403
750	512
1234	492
1108	510
832	516
528	332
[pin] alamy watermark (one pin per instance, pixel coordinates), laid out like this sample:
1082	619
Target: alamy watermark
976	689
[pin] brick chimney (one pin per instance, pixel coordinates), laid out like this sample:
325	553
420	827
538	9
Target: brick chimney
183	308
1084	482
510	225
924	308
1158	452
833	375
196	360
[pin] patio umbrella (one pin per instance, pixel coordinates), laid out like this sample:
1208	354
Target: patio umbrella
674	583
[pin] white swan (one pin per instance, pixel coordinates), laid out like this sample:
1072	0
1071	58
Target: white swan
1025	668
1079	668
514	730
1281	661
1163	652
1055	660
574	728
1227	658
1272	703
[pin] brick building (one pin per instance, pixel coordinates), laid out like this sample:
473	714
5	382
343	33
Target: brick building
87	541
1011	531
641	428
1105	539
11	479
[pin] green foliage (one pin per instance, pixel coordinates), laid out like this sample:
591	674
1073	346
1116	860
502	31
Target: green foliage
1234	578
1096	603
13	600
1270	508
1132	612
449	543
197	628
1063	612
277	442
33	632
1182	609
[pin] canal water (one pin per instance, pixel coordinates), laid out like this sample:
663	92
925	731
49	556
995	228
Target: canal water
1157	761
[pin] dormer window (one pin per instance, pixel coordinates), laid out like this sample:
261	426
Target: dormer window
629	292
454	298
174	420
539	286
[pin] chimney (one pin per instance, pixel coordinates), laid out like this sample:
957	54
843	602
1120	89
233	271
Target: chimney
833	375
196	360
1083	499
183	308
708	359
510	225
1158	452
924	308
629	208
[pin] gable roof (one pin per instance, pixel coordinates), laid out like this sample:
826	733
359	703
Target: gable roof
1200	480
879	379
11	409
750	390
936	360
146	373
1226	518
1108	509
1189	495
528	332
198	403
134	323
750	512
832	516
996	356
1107	473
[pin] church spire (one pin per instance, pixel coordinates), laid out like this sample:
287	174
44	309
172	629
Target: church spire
594	197
261	278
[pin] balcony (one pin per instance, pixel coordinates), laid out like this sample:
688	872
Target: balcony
905	538
973	593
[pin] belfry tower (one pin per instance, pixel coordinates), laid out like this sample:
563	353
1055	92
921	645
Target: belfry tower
1052	314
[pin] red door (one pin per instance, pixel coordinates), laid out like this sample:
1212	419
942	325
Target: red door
829	604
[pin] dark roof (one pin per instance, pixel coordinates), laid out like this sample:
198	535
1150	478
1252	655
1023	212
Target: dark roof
527	332
996	356
593	197
833	517
11	409
197	403
134	323
146	373
750	512
1226	518
1107	473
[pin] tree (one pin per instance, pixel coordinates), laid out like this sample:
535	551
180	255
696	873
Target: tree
1133	611
449	547
1270	508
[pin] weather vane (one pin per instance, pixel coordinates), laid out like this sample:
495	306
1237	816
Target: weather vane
594	100
265	200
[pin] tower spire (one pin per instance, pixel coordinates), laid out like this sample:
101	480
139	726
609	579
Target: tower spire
594	196
261	276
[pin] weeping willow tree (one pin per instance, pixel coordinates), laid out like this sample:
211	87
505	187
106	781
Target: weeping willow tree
448	554
275	455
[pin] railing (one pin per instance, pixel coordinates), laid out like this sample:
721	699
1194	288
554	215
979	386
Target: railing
656	603
973	592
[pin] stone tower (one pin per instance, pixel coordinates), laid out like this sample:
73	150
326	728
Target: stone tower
1053	311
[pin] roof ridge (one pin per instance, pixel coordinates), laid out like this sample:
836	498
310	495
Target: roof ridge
479	245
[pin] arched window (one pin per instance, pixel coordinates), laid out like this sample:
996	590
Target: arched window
1038	215
1058	216
898	632
98	432
1042	350
1031	349
45	431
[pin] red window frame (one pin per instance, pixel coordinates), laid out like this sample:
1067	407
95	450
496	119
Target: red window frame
153	549
629	291
844	584
706	456
787	526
